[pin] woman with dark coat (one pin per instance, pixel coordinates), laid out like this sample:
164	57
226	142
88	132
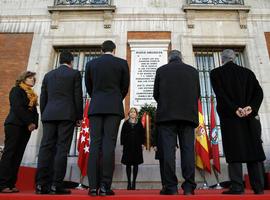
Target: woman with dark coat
20	122
132	139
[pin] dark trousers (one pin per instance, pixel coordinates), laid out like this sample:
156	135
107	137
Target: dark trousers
104	130
255	172
54	148
16	139
168	132
161	167
160	158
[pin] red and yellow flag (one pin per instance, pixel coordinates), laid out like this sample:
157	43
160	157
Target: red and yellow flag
143	119
146	122
202	147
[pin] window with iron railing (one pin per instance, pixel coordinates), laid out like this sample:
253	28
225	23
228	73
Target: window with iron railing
82	2
195	9
81	57
104	7
216	2
208	58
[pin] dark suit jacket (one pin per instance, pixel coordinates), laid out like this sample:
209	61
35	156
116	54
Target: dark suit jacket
176	90
107	82
61	95
19	113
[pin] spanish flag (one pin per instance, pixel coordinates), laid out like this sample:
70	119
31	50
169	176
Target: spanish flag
202	146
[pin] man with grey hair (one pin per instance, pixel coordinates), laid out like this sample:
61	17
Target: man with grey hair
227	55
175	55
239	97
177	90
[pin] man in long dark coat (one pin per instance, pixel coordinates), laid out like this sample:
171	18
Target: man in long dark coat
239	97
176	90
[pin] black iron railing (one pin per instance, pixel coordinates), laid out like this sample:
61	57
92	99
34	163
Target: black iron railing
216	2
82	2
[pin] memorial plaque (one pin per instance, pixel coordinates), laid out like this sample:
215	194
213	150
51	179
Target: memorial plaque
144	63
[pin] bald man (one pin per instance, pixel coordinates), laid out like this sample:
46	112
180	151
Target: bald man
239	97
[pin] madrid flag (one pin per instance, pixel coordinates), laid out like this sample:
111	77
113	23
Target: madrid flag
214	139
83	142
202	147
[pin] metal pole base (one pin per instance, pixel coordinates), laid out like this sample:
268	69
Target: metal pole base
204	187
80	187
218	187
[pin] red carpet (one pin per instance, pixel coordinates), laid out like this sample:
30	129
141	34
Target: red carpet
137	195
26	178
26	182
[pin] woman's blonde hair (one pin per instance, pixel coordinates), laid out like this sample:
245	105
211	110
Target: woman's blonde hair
133	108
23	76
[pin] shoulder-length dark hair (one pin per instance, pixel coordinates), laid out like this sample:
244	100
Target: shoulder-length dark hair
23	76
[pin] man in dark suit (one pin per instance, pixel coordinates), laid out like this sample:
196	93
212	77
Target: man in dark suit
176	91
239	97
61	107
107	82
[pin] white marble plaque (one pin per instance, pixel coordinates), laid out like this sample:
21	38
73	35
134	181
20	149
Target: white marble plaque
145	59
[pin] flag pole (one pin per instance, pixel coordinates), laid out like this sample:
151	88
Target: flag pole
80	186
218	187
148	130
205	185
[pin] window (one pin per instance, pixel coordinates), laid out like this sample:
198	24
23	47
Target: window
208	58
81	57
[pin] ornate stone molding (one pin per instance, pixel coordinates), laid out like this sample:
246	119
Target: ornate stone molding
194	11
155	43
56	12
190	18
107	19
243	18
55	19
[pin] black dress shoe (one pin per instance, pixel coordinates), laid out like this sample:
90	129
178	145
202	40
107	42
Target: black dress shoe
93	192
133	186
258	192
42	189
230	191
188	192
129	186
110	192
162	190
59	190
168	192
102	191
105	192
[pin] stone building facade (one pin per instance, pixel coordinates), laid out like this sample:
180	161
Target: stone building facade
33	32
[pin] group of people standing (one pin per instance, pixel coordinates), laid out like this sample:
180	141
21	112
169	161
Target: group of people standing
176	90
